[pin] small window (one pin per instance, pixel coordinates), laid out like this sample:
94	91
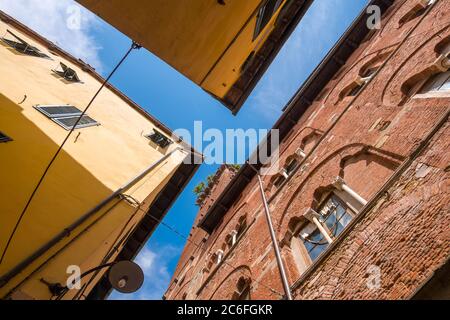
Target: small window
370	72
242	290
355	90
160	139
279	181
357	86
417	11
4	138
334	216
438	83
67	73
291	166
22	46
265	15
67	116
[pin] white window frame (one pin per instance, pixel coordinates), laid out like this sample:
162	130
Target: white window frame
58	117
234	238
219	256
79	126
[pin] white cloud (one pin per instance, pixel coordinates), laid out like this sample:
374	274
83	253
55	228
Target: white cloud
63	22
154	263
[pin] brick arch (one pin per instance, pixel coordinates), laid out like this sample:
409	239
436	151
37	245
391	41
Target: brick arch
310	140
392	22
415	82
346	79
181	290
221	237
353	168
393	93
332	160
231	280
334	163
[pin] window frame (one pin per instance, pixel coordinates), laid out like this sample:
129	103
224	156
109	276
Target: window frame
261	22
167	141
65	70
92	123
347	211
33	52
428	89
57	117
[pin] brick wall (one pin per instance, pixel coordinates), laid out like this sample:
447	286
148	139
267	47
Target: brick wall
371	141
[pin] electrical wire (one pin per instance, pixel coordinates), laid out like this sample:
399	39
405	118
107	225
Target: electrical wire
55	156
175	231
116	243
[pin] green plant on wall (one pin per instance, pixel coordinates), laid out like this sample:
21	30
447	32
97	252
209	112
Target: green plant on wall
200	188
203	189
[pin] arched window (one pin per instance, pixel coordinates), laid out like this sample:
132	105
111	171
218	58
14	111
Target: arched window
355	87
433	81
291	164
276	182
419	9
321	226
243	289
438	83
324	225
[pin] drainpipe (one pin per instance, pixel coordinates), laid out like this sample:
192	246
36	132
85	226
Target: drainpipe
4	279
276	247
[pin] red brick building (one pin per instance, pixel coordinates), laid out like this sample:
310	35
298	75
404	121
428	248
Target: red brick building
360	206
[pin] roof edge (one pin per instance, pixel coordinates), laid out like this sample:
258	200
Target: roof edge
49	45
297	106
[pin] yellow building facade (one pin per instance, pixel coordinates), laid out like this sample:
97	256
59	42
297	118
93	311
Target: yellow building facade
42	91
224	46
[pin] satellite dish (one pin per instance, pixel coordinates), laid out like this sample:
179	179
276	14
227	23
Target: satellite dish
126	277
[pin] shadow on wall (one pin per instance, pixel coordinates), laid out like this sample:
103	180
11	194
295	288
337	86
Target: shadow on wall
68	191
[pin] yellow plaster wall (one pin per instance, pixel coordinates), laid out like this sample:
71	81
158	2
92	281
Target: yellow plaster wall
205	41
95	162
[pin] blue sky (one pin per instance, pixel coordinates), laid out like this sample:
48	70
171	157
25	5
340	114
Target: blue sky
177	102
